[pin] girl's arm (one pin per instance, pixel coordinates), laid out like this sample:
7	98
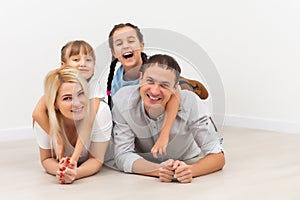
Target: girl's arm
171	112
40	115
84	129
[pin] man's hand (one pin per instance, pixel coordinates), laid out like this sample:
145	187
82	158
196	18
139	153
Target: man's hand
182	172
166	172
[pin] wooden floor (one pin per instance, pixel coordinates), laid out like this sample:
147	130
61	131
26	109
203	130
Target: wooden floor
260	165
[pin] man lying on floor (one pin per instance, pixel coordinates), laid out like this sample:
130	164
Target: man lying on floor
194	146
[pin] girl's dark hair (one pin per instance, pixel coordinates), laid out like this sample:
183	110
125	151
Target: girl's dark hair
164	61
115	60
122	25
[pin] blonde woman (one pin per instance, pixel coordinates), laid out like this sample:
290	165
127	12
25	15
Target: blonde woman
66	97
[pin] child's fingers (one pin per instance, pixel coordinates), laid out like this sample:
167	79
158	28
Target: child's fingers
160	151
154	152
164	151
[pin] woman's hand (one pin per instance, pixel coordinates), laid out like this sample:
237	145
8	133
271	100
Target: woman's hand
67	171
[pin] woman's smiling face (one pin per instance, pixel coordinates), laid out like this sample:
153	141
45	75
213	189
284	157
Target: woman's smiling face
71	101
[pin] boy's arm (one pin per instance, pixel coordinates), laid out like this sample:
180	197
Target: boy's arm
40	115
85	128
171	112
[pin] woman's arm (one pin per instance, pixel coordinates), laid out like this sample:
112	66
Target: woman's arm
171	112
49	163
95	161
90	166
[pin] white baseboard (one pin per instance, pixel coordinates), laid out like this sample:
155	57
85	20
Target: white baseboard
262	124
16	134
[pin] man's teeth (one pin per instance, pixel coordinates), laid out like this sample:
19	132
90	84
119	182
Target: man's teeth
153	98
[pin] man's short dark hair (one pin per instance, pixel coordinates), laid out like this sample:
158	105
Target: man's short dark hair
163	61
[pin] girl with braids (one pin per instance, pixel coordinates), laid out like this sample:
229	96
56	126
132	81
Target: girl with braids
80	55
127	44
66	98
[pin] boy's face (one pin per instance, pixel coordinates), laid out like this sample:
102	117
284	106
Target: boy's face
84	63
157	86
127	48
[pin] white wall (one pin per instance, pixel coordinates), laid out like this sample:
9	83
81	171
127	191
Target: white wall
254	44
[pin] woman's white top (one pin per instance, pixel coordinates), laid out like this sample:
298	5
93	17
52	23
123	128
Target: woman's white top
101	132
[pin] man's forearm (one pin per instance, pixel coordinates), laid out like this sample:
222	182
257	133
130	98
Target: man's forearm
144	167
208	164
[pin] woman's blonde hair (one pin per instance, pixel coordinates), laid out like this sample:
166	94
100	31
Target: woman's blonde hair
52	83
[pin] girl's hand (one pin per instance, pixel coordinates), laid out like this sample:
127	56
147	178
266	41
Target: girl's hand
160	147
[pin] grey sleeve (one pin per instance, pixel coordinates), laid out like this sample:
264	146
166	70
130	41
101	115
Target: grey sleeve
203	130
124	138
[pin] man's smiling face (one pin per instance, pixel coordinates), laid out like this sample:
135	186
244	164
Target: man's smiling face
157	85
